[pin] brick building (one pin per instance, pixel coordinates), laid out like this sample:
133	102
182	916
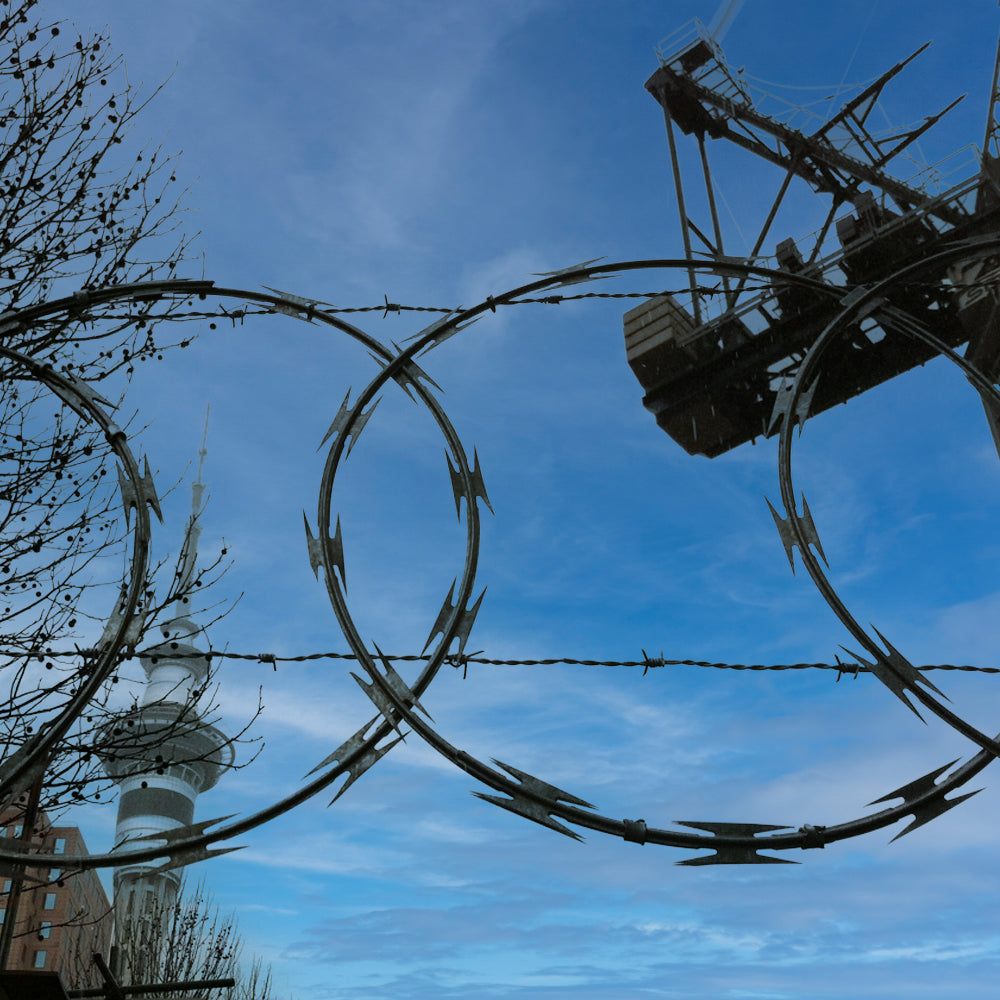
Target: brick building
63	916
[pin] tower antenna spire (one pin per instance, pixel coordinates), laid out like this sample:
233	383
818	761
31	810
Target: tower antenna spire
203	450
189	550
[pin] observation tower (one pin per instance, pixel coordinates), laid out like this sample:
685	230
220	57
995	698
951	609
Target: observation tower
165	752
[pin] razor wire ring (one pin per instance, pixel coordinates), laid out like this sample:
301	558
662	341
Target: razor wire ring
184	845
189	844
29	761
534	799
889	666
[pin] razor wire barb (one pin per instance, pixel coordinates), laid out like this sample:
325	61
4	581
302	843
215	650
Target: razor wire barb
397	702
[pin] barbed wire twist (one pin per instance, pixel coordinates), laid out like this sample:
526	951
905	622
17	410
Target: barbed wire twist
454	659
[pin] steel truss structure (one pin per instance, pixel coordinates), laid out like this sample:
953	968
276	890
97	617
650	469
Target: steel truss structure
712	369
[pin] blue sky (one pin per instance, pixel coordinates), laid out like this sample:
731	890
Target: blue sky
438	152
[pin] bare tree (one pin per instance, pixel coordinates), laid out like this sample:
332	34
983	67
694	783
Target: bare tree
82	206
189	940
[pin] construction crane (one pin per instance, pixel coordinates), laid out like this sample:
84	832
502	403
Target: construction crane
712	368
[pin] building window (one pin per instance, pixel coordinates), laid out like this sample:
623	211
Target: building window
18	830
3	917
55	874
45	930
60	847
6	885
50	901
40	957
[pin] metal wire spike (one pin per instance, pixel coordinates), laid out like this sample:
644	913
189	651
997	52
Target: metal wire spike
340	421
148	489
896	684
295	305
405	377
439	324
23	783
463	628
570	270
782	397
290	309
185	855
442	619
478	486
189	856
924	812
112	625
349	746
191	830
398	685
788	539
782	401
735	854
78	388
86	389
337	553
812	535
363	763
315	548
535	799
382	701
897	673
370	757
732	829
146	493
134	630
931	810
904	668
128	495
917	788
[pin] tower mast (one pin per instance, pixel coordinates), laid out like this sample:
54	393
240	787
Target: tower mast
189	550
173	752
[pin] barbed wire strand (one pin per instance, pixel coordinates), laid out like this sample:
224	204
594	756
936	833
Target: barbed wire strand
464	659
387	306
